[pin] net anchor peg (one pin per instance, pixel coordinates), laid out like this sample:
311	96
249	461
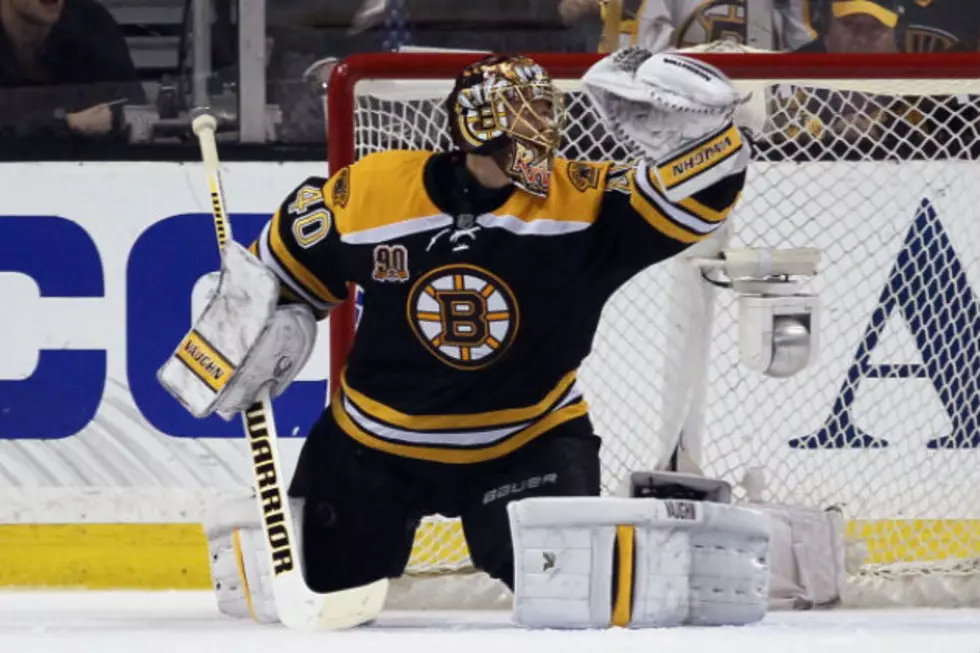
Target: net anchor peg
777	319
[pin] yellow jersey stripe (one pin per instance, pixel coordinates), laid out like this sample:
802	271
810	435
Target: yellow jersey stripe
690	205
678	211
701	156
622	612
705	212
297	270
658	220
458	456
204	361
490	419
295	287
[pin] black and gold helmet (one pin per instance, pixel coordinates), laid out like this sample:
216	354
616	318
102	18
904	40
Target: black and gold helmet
508	107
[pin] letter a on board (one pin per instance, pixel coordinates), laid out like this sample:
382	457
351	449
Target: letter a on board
929	287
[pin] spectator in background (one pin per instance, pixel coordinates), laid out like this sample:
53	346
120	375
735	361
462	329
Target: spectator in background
65	71
305	31
851	27
857	26
922	25
940	26
579	14
849	123
662	24
572	10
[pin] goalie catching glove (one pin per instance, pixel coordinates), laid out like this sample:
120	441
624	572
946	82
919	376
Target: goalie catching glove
676	111
242	342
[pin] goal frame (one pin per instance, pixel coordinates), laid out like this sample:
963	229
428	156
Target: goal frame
775	67
757	69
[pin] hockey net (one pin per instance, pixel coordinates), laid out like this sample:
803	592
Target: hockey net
874	161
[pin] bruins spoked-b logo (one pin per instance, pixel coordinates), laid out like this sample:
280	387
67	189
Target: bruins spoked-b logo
466	316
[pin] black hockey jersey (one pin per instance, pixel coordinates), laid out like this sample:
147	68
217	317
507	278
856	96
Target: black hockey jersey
479	304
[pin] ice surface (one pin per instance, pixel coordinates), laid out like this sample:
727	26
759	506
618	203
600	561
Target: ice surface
187	622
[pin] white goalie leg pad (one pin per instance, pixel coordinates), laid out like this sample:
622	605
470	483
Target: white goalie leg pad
591	562
241	343
240	571
807	556
245	586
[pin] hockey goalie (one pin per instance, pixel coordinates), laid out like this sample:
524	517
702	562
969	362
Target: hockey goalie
485	270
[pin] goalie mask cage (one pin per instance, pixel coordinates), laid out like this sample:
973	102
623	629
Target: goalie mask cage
872	159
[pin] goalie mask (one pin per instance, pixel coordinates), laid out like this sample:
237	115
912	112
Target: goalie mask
507	107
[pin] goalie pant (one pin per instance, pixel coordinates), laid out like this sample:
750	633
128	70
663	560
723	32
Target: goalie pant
362	506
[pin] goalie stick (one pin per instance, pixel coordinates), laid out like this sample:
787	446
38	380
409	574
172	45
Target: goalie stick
296	604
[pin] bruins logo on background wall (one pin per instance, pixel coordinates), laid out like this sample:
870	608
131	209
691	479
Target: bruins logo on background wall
464	315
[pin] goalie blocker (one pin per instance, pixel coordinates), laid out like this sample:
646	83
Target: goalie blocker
242	342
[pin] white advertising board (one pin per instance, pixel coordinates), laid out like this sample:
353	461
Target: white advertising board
99	262
98	268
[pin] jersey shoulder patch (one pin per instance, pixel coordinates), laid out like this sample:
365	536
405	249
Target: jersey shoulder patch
378	191
340	190
579	188
584	175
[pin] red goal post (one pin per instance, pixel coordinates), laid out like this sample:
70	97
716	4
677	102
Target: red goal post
884	423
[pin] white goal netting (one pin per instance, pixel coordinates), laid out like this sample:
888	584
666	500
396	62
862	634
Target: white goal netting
882	176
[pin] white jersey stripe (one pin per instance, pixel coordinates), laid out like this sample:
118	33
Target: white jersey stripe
397	230
473	438
539	227
672	211
269	260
